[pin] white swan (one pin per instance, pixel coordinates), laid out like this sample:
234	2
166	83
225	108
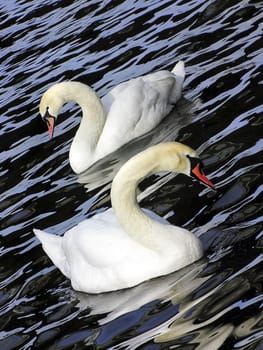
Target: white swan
125	246
129	110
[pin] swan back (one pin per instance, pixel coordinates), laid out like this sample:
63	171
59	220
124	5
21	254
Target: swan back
137	106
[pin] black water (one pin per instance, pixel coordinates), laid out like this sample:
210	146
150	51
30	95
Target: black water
213	304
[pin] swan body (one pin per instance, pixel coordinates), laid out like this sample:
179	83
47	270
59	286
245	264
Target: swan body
129	110
125	245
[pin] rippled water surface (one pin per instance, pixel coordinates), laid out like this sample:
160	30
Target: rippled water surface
215	303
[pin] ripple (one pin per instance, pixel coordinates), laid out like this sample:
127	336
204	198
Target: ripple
215	303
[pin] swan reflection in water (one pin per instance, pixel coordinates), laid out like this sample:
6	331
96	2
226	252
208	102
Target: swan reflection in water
174	287
200	306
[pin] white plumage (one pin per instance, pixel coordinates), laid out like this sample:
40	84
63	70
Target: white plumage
128	111
126	245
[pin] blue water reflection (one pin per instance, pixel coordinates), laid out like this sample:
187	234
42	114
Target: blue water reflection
213	304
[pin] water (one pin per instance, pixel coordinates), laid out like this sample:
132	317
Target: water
213	304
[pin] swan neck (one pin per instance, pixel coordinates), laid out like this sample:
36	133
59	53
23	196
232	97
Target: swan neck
141	227
132	218
93	115
90	128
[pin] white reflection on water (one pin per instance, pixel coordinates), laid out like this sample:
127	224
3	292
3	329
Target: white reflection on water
173	287
103	43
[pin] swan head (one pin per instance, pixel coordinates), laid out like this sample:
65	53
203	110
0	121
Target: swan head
50	106
177	157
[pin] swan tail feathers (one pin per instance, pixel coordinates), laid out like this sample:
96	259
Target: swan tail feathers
179	75
179	70
52	245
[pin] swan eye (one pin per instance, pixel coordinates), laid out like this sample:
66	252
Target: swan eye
50	121
194	161
46	115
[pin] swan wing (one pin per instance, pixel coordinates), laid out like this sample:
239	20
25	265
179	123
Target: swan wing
101	242
137	106
53	246
98	241
177	74
97	255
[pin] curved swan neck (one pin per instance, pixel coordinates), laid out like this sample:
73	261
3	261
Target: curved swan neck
89	102
92	122
123	193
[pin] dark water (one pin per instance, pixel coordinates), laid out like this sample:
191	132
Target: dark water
213	304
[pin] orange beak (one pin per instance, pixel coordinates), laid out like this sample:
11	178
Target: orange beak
199	174
50	124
